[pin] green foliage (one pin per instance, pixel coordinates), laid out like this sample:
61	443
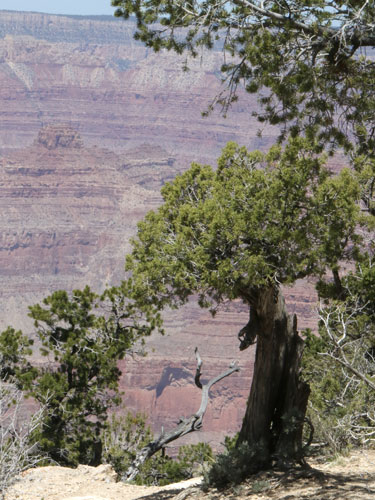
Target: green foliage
230	442
303	59
14	347
234	465
162	470
124	436
82	337
257	219
194	458
306	61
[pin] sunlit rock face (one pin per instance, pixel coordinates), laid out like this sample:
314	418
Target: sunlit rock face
67	214
117	93
92	125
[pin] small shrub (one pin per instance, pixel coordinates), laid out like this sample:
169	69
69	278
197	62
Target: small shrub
233	466
124	436
194	458
260	486
161	469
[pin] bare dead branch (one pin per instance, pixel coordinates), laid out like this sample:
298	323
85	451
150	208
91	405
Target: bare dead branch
17	452
339	338
198	371
185	425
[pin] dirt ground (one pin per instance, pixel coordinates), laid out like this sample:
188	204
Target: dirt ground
351	477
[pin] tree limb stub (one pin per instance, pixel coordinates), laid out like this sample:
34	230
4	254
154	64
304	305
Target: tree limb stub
198	371
185	425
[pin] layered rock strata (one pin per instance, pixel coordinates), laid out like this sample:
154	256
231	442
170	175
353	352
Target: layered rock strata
91	74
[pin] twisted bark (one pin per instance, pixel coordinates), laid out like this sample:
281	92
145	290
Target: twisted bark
276	408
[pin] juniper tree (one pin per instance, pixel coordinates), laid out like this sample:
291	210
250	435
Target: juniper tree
258	221
82	336
310	64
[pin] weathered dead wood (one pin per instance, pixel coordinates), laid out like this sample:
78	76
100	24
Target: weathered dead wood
185	425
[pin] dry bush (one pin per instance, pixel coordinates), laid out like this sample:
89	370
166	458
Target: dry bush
17	453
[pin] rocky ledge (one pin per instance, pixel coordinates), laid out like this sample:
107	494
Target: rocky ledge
59	136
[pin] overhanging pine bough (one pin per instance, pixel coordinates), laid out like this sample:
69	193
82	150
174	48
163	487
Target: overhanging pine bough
309	55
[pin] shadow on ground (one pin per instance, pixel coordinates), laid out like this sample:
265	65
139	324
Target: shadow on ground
292	485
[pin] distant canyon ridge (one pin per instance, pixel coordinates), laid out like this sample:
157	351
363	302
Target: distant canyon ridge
92	125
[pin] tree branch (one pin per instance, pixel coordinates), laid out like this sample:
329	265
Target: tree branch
288	20
357	38
351	368
185	426
198	371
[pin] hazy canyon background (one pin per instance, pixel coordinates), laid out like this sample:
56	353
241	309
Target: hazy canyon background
92	125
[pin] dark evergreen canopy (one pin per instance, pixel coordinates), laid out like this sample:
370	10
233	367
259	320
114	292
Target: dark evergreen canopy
259	219
309	61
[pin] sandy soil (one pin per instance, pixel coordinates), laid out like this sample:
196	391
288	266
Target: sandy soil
351	477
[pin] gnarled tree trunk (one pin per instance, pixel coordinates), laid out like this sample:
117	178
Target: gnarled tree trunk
276	408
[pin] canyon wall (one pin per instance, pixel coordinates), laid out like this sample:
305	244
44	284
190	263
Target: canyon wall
92	125
116	92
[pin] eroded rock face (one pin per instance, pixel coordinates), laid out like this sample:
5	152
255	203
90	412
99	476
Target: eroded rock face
67	214
92	75
58	136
